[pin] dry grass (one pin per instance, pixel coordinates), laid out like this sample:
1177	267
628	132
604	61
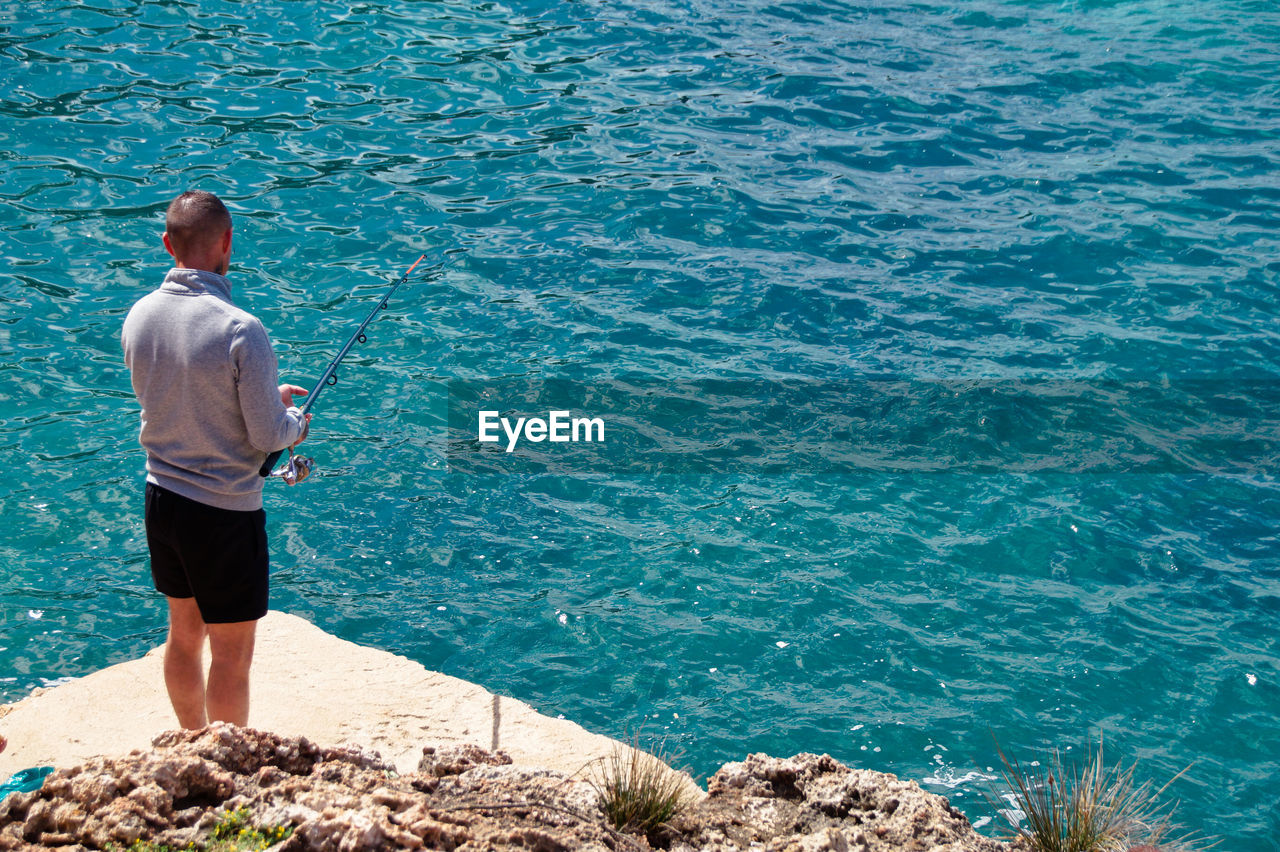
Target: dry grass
1091	808
640	792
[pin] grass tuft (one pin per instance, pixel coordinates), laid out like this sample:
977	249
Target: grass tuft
1090	808
639	791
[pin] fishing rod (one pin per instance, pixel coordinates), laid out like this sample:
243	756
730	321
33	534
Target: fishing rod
297	468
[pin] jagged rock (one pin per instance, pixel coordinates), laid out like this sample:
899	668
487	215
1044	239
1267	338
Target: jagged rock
456	759
812	802
334	798
464	798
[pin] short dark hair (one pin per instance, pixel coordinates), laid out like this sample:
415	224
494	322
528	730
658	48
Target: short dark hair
194	219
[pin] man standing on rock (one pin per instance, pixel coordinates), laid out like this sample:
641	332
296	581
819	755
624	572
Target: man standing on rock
212	409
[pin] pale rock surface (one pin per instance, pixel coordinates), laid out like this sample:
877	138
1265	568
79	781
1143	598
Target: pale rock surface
304	682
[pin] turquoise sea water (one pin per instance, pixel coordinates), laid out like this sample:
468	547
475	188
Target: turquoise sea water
783	195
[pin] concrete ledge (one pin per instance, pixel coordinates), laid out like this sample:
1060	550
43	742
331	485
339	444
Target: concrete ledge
305	682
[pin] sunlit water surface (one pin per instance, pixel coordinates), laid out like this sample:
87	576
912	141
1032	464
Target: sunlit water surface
797	192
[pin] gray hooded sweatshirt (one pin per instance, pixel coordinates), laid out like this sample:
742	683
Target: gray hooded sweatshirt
206	377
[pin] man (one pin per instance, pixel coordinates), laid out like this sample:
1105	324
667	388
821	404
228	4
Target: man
205	375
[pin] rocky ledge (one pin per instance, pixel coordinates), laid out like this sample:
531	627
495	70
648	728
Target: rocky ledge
461	798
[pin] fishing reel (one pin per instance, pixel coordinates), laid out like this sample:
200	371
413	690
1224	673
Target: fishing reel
296	469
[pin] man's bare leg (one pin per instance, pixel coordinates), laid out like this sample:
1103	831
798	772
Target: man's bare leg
184	662
227	693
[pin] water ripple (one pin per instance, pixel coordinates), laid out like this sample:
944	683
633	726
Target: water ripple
795	191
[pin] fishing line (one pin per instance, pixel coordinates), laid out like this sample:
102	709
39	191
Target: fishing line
299	467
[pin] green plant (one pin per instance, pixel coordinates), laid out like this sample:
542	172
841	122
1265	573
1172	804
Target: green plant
639	791
234	832
1090	808
231	833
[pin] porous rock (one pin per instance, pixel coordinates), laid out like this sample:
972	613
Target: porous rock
464	798
456	759
813	802
333	799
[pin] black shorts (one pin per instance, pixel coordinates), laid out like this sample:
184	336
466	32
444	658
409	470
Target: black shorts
217	556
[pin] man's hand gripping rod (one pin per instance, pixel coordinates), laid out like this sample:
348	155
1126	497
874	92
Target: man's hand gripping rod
330	374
